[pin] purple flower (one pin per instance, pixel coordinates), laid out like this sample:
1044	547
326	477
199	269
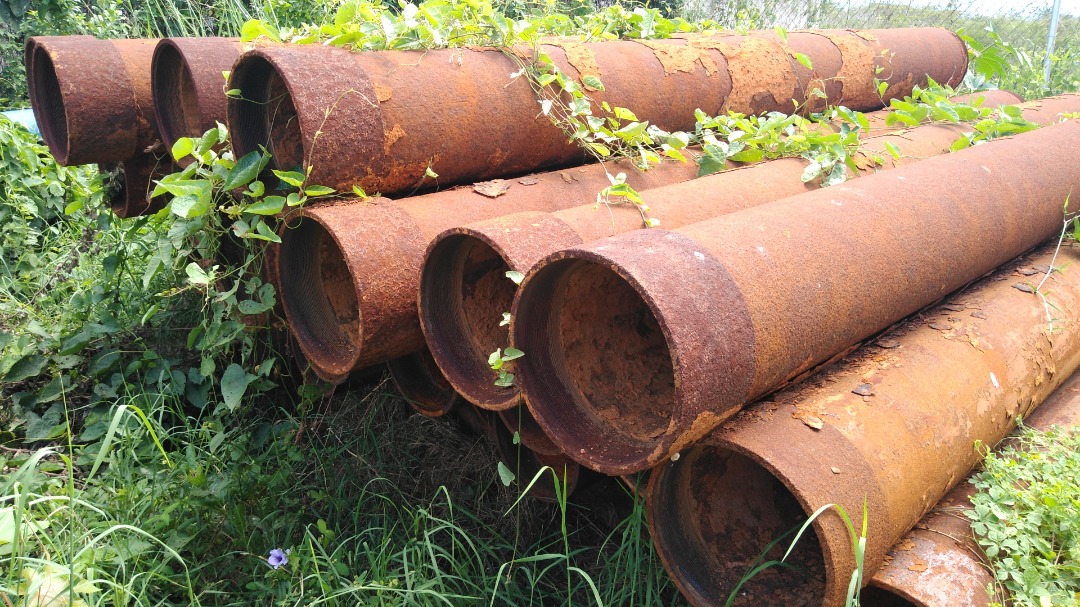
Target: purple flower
278	558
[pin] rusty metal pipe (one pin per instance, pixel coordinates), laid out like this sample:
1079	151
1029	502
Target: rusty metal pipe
421	384
128	194
938	563
637	345
188	85
350	271
956	374
380	119
91	97
464	291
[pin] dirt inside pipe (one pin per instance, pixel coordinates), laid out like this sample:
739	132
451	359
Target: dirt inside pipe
47	95
467	291
714	514
615	353
286	141
319	296
176	96
265	115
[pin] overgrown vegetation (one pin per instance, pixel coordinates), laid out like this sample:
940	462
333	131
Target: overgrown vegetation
1026	517
159	446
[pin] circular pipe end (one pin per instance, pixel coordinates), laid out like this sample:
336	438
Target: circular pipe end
422	384
713	515
464	292
318	293
263	113
176	100
598	374
520	420
47	99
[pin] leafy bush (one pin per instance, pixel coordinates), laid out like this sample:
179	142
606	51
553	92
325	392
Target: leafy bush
1026	517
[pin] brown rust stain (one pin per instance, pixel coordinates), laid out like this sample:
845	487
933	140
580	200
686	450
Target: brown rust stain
761	76
857	69
679	57
579	56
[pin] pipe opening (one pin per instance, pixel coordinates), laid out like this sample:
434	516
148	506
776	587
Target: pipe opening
714	512
48	102
519	419
265	114
319	297
464	292
175	98
421	384
596	360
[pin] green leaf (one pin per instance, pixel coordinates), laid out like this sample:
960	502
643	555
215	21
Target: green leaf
512	354
707	165
592	82
234	383
26	367
271	205
246	169
893	150
804	60
182	148
263	232
196	275
515	276
318	190
290	177
506	475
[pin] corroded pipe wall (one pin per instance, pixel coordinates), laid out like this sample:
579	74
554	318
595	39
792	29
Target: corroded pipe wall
893	425
189	85
350	271
464	291
381	119
637	345
938	563
91	98
128	192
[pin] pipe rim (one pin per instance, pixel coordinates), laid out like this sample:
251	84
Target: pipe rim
45	92
421	384
445	313
557	402
682	545
318	316
176	99
263	114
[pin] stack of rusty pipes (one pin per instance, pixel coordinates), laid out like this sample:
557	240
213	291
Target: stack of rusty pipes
463	285
377	245
93	104
379	120
892	428
780	288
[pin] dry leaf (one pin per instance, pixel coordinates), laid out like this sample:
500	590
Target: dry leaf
493	188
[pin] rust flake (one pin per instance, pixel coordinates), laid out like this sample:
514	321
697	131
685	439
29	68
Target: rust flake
680	58
382	92
857	69
392	137
759	68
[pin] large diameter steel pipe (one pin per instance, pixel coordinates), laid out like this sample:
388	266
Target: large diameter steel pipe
380	119
464	290
894	425
638	345
350	271
938	563
188	82
91	97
